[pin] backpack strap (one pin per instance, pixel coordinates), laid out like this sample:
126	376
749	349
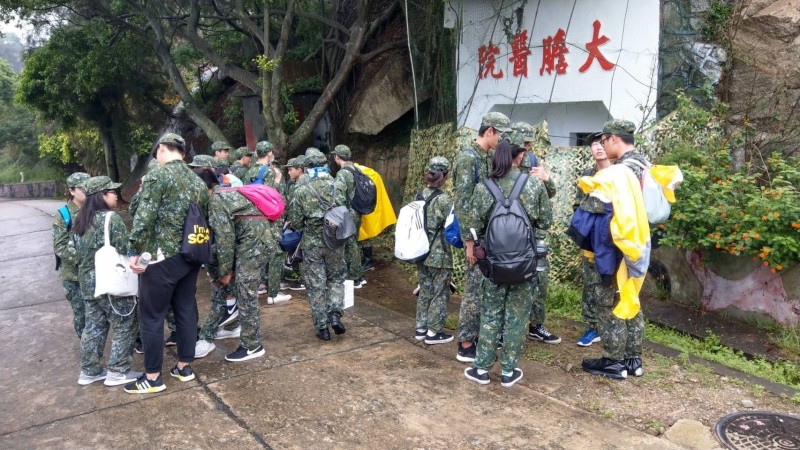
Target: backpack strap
518	186
260	178
491	185
106	239
325	204
532	159
436	192
636	163
477	158
64	211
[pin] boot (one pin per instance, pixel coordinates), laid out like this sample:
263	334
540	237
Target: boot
366	261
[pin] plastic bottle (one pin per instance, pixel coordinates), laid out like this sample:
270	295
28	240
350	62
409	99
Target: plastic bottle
144	260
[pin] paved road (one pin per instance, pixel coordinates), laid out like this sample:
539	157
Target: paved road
372	388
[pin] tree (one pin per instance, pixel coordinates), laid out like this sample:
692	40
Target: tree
97	74
343	42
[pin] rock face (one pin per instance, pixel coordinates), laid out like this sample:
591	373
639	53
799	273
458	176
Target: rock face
42	189
389	95
765	77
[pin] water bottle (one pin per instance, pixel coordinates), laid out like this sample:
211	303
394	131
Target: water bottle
144	260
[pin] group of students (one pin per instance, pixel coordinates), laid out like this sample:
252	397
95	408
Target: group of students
495	314
245	252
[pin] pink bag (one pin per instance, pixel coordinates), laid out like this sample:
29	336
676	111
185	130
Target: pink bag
266	198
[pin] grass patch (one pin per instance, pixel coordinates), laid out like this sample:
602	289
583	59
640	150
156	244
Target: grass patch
39	172
541	355
565	301
451	322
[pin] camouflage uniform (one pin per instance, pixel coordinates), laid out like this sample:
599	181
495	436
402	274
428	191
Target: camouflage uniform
464	182
621	338
105	312
165	196
323	268
506	307
435	272
238	169
523	132
64	248
216	146
591	277
244	242
352	251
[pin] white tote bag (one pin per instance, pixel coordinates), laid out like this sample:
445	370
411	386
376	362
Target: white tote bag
113	274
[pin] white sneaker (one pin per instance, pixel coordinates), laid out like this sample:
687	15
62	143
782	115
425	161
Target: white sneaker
228	334
280	298
203	348
85	379
117	378
262	289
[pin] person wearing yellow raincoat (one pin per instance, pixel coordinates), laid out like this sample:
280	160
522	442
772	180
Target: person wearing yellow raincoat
374	223
620	318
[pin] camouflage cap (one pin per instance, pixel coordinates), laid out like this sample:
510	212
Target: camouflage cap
172	139
593	137
220	145
241	152
295	162
521	133
98	184
619	126
77	178
203	161
498	121
438	164
315	156
263	148
342	151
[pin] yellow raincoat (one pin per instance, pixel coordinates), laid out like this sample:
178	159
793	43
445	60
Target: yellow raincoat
374	223
630	230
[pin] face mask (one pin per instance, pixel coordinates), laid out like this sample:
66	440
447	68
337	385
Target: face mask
316	171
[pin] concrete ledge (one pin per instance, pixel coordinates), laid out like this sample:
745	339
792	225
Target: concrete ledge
40	189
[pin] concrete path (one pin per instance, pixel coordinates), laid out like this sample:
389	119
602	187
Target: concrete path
374	387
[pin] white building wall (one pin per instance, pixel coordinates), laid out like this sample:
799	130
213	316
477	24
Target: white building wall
572	102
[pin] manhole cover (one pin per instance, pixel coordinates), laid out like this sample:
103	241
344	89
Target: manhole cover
759	430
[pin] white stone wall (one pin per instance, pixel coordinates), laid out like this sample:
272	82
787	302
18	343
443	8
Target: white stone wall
572	102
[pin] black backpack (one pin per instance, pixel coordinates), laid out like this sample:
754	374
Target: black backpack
196	245
509	240
366	195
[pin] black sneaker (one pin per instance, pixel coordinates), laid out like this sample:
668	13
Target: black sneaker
359	283
337	325
172	340
439	338
540	333
185	374
420	334
510	380
606	367
243	354
634	366
324	334
473	375
143	385
231	313
138	348
466	354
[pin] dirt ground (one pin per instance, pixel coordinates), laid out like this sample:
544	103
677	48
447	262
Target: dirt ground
671	388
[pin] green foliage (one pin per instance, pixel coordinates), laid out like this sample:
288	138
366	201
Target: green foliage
266	64
79	145
290	118
753	210
716	21
233	117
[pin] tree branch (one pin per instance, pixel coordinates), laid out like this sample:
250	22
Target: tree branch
387	46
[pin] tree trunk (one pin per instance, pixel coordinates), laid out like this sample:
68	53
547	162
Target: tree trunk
106	136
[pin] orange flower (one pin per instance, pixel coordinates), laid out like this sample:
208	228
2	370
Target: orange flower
763	217
766	263
772	270
779	267
718	246
757	236
724	215
745	236
775	215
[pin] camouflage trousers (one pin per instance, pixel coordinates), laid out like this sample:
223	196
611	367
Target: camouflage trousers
352	253
503	308
591	282
251	258
219	306
102	314
540	298
72	290
621	338
469	315
324	272
434	293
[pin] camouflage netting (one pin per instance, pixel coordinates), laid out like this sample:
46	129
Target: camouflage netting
563	163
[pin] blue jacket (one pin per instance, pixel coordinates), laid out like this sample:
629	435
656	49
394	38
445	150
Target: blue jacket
592	232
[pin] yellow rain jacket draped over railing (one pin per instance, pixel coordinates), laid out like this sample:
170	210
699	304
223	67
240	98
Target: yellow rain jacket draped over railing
374	223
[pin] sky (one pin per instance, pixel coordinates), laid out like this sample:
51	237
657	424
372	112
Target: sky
13	27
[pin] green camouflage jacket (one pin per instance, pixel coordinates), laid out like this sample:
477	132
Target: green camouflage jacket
230	230
63	246
346	178
91	241
533	199
525	166
595	206
269	176
239	170
464	179
306	212
440	254
164	200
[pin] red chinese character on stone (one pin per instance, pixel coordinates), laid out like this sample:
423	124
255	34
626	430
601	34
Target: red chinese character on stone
519	53
594	52
553	49
486	60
